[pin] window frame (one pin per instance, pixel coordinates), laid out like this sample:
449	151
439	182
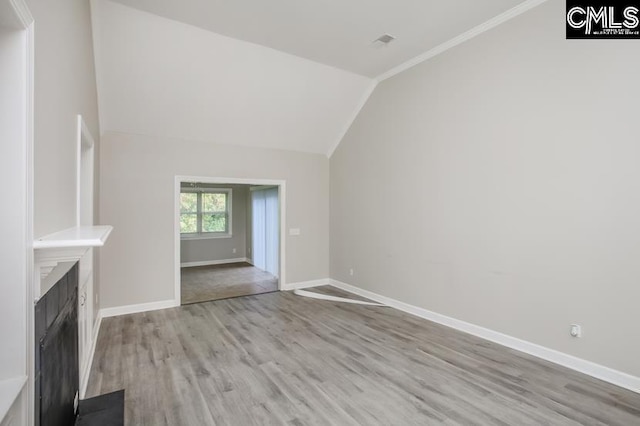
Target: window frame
200	235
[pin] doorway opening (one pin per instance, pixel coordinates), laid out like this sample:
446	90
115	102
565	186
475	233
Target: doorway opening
229	238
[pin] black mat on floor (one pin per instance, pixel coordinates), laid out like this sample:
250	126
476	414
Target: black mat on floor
103	410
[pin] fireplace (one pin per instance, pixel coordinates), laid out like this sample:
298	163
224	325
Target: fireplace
56	353
57	372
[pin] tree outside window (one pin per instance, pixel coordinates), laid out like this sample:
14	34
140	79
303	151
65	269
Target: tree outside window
205	212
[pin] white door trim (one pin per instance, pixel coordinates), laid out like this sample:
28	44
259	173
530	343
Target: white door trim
16	15
28	22
282	197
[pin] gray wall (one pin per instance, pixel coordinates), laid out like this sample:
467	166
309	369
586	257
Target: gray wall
138	260
65	86
498	183
202	250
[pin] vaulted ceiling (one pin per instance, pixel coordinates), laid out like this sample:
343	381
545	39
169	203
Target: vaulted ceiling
335	32
283	74
160	77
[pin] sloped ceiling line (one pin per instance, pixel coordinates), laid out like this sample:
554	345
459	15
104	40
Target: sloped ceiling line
160	77
335	32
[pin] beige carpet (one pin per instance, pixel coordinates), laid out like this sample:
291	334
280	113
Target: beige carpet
204	283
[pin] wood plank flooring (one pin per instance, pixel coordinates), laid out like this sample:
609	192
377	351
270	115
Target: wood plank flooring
280	359
214	282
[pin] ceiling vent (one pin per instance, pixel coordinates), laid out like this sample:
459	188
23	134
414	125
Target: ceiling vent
382	41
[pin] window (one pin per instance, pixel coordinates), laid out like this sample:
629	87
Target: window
205	212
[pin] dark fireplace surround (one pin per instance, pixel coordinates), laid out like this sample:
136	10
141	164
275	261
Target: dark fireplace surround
56	353
57	375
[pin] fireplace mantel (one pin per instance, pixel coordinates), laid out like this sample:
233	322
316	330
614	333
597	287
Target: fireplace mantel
65	247
78	236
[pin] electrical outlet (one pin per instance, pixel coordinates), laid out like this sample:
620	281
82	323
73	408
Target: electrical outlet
575	331
234	250
351	272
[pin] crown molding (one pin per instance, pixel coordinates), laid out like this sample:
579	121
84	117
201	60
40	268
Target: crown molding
473	32
22	12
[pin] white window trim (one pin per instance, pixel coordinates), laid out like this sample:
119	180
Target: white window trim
211	235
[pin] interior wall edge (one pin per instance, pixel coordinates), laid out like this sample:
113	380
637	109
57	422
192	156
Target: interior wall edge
363	101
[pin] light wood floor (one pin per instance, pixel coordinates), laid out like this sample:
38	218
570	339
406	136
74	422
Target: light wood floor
281	359
205	283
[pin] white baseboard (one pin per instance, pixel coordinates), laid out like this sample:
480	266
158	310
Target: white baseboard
214	262
305	284
84	377
598	371
134	309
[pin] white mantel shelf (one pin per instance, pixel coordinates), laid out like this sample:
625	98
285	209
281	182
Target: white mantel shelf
72	238
64	248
